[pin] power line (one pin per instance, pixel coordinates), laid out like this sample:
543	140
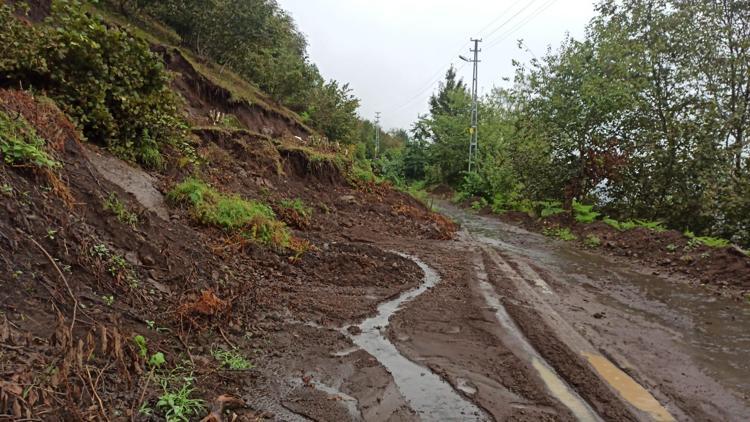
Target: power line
437	76
511	18
427	88
500	16
523	22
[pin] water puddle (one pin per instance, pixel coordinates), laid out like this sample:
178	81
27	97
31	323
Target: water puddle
554	383
430	396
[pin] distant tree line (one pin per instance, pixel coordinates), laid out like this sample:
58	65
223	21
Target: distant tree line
647	117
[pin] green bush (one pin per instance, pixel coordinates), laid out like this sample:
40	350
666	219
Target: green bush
253	219
583	213
550	208
20	144
107	80
479	204
711	242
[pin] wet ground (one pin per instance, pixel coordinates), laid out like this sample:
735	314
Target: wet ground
687	346
510	325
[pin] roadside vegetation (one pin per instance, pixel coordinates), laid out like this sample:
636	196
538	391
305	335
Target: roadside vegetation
640	120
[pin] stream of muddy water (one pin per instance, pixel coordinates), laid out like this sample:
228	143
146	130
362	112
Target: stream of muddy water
427	394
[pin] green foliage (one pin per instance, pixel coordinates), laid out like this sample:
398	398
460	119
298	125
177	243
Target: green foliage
479	204
140	342
20	144
562	233
177	404
295	212
253	219
298	206
113	204
550	208
157	360
231	359
592	241
459	197
110	82
583	213
711	242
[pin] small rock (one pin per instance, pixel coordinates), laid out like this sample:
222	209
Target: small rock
348	199
599	315
354	330
132	258
148	260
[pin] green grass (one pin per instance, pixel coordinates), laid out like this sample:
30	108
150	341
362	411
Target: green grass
562	233
592	241
231	359
113	204
417	191
253	219
177	404
297	205
21	145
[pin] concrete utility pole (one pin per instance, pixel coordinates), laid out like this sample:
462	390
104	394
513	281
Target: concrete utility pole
377	134
473	142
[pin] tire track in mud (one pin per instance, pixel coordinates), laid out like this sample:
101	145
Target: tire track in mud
524	350
604	386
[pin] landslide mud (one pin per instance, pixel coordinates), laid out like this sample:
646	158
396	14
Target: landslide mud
687	346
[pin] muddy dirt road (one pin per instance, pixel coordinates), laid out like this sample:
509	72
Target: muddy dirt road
510	325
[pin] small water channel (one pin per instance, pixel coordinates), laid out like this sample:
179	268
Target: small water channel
428	394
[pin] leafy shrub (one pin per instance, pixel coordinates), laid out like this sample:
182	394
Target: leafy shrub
550	208
656	226
479	204
253	219
107	80
20	144
711	242
583	213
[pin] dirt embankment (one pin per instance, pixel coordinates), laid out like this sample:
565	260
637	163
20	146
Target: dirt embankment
725	269
81	279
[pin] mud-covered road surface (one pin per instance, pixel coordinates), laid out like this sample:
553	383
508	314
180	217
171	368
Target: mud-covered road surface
510	325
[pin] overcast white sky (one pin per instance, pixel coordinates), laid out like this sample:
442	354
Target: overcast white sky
390	51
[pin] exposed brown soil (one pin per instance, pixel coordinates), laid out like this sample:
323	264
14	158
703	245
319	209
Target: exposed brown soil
204	98
726	269
79	284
